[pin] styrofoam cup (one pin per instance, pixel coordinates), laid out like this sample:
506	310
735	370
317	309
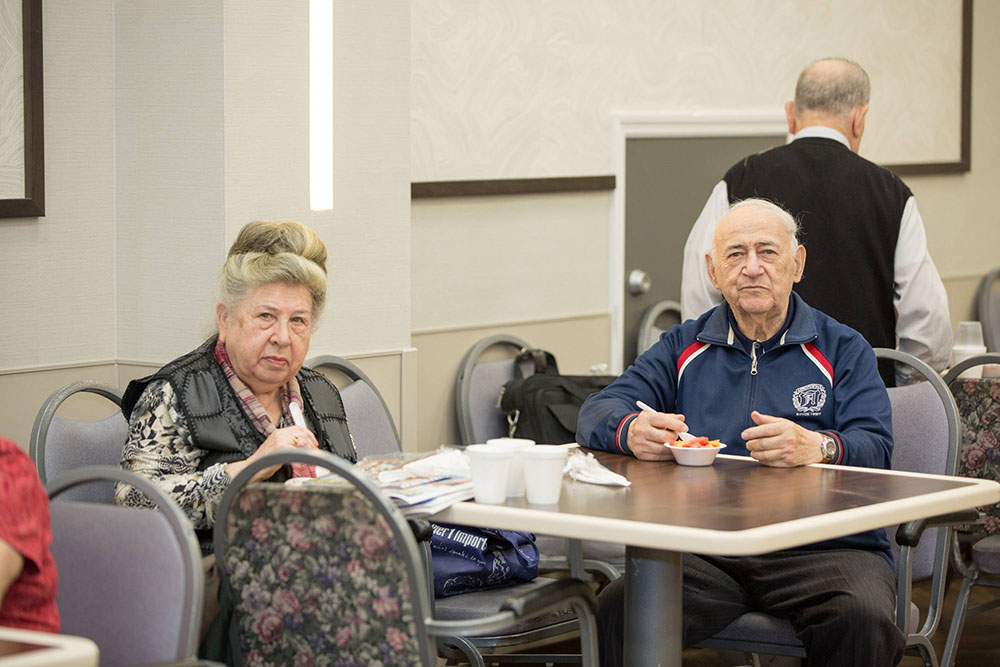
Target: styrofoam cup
543	473
969	334
490	467
515	478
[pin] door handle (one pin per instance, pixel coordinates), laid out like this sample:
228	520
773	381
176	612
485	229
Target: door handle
638	282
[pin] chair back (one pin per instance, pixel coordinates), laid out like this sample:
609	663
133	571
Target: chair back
59	445
368	416
129	579
477	388
925	439
658	318
327	570
988	301
978	401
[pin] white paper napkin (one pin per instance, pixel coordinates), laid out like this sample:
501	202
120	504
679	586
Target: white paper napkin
585	468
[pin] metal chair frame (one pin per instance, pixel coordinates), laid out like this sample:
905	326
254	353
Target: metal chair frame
463	382
986	307
649	321
40	429
193	584
355	374
971	575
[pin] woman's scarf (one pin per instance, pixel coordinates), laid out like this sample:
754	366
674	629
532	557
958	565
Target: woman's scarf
258	415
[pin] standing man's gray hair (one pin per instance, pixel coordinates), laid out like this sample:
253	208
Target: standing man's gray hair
834	86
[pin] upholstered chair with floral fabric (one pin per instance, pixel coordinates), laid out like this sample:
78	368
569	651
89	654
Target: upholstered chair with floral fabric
328	573
978	401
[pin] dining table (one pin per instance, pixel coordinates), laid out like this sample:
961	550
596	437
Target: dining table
734	507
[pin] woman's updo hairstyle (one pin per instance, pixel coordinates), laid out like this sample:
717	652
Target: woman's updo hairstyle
267	252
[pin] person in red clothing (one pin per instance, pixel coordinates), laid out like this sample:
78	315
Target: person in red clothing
27	571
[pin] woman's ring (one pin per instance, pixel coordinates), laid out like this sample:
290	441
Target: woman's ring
295	440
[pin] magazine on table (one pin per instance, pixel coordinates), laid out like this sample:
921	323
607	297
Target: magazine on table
432	483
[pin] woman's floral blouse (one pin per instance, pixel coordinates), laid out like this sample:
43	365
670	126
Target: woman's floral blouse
160	448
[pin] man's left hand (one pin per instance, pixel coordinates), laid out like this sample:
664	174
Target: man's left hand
781	443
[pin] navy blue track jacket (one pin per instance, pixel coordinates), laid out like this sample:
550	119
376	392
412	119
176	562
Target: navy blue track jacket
820	374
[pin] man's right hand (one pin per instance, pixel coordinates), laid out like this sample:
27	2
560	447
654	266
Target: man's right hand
650	431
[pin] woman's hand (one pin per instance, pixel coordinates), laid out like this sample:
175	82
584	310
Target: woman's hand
282	439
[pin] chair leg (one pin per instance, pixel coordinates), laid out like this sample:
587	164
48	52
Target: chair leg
466	648
957	622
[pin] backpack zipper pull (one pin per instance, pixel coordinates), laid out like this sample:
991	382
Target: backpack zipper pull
500	396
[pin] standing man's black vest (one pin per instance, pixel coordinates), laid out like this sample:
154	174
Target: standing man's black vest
849	210
217	421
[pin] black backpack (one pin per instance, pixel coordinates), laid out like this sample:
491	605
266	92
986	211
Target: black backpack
543	405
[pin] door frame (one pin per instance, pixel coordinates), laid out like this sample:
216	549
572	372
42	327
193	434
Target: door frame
631	125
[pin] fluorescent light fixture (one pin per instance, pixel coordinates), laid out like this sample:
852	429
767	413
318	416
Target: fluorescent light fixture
321	105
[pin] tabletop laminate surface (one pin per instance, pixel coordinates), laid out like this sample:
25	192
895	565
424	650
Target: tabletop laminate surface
735	506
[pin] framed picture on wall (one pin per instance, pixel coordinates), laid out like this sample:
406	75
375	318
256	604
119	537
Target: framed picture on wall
22	159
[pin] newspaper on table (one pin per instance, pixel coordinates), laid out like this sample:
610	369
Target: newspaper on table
420	485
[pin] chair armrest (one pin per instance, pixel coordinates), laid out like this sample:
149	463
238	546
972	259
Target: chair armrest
421	529
551	595
908	534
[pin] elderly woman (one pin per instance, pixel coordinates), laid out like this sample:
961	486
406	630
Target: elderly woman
199	420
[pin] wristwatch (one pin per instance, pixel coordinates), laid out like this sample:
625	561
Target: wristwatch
827	448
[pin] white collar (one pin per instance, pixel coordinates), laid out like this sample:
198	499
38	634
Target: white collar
823	132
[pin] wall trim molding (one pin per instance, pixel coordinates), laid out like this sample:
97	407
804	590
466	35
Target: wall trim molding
510	186
117	363
58	367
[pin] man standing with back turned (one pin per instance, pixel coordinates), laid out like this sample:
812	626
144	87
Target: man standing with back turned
868	262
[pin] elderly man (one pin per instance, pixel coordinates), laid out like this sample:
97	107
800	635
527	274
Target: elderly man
786	385
869	267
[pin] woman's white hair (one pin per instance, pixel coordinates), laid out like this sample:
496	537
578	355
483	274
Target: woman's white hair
267	252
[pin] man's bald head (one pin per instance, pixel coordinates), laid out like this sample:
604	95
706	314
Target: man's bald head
832	86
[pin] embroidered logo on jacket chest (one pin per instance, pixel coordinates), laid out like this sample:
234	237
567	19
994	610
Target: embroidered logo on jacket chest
809	399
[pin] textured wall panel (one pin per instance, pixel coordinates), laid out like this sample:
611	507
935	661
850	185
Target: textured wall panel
499	259
57	288
170	174
522	88
267	154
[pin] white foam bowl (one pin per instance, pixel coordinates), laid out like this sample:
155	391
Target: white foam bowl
695	456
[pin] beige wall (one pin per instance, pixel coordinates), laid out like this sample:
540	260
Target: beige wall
57	287
166	130
167	127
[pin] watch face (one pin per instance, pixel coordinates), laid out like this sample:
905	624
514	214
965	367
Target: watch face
828	448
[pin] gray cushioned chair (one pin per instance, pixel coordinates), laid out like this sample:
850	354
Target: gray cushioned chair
301	562
59	444
979	563
926	437
988	302
477	389
368	416
657	319
375	433
130	579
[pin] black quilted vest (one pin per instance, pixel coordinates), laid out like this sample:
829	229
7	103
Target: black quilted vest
217	421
